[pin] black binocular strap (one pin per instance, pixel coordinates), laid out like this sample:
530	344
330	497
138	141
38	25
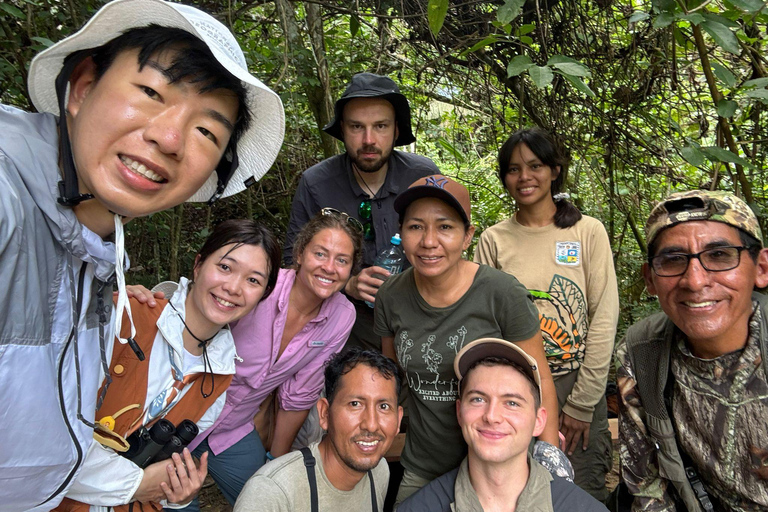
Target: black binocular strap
309	464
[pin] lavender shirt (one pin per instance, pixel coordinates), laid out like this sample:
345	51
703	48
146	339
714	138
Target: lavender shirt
297	375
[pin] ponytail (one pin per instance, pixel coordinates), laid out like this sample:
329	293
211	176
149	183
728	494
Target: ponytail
566	214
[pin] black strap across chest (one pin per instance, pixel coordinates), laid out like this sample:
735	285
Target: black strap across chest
309	464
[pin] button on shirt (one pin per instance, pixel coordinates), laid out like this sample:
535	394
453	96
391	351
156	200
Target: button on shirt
297	374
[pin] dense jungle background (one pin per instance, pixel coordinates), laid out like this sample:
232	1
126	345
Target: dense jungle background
650	97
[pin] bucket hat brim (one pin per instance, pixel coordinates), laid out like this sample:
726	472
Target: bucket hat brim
258	146
361	90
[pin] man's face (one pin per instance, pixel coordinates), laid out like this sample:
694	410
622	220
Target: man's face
711	308
363	419
141	144
369	130
497	413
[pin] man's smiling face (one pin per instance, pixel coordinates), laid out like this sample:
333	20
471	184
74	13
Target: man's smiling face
711	308
140	143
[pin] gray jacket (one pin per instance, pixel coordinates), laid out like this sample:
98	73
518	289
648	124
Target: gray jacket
49	263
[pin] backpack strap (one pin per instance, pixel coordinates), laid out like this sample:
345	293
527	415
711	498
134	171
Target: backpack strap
309	464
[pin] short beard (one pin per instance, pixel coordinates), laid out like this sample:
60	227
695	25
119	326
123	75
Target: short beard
371	167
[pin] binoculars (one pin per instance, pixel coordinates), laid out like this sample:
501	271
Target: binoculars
159	442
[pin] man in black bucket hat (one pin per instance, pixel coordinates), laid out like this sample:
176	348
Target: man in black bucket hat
371	118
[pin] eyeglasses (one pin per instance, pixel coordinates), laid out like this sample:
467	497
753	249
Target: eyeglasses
364	212
356	225
718	259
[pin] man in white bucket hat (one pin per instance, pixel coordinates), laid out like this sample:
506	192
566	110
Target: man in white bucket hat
149	105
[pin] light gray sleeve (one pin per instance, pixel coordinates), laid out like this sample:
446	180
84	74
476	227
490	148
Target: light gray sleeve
262	494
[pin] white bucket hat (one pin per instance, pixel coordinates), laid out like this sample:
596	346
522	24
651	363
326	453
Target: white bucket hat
257	148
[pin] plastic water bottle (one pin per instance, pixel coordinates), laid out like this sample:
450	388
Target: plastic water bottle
391	258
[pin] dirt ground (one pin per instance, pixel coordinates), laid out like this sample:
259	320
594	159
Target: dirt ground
211	499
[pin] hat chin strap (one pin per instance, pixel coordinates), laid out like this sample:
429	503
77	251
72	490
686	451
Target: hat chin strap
224	171
69	192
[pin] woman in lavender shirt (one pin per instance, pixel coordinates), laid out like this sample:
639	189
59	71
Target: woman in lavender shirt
282	346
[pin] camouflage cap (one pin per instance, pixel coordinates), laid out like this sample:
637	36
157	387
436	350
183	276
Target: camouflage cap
700	205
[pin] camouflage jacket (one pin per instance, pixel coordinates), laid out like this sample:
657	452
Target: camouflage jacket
720	417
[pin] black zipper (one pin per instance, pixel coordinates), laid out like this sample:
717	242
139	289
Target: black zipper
61	391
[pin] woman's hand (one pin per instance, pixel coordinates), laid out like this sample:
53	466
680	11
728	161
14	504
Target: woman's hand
177	480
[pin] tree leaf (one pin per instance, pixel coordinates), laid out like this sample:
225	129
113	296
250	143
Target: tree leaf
569	66
722	35
579	84
541	75
756	82
726	108
760	94
663	20
693	156
724	74
526	40
509	11
354	25
723	155
12	10
693	18
436	11
638	16
750	6
526	29
480	44
519	64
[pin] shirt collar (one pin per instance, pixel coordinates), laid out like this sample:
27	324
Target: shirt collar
536	496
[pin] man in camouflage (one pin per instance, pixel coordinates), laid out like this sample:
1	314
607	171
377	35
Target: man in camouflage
694	391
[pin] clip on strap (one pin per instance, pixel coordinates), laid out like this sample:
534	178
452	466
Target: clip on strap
310	463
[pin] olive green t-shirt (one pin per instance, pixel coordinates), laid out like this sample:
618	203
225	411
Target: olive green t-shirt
427	340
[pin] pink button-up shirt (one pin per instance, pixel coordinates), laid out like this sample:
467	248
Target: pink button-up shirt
297	375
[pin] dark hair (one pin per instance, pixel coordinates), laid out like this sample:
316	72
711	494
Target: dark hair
329	220
753	245
344	362
244	232
500	361
192	61
551	153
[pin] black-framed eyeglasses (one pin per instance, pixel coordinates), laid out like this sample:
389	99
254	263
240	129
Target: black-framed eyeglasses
356	225
717	259
364	212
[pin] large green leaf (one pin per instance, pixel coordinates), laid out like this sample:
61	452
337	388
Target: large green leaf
756	82
724	74
750	6
722	35
436	11
663	20
723	155
480	44
693	156
541	75
568	66
509	11
518	65
12	10
726	108
638	16
759	94
579	84
354	25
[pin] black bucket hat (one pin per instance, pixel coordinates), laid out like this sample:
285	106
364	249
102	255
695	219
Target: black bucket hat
369	85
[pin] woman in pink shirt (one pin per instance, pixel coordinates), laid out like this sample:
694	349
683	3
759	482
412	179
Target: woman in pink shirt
282	345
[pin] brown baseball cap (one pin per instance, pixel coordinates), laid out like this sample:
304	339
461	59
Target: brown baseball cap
441	187
495	347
